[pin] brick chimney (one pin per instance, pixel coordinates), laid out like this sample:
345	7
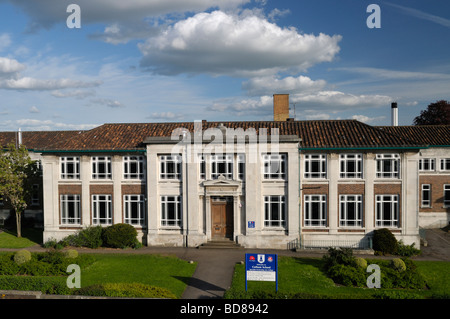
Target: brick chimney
280	107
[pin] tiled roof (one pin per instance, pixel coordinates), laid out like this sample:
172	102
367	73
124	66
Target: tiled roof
36	139
313	134
424	134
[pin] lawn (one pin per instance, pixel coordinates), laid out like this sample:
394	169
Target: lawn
30	237
303	278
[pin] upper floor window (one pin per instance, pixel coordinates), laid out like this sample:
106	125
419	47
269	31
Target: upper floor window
274	166
388	165
170	167
426	164
101	167
222	165
133	167
241	166
445	164
350	165
315	166
70	167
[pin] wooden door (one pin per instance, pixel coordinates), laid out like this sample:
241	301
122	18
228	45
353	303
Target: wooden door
221	220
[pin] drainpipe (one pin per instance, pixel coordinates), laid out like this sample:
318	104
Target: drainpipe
299	199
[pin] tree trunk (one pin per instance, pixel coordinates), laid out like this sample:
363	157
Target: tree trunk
19	224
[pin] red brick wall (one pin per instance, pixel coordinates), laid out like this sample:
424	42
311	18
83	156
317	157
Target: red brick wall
437	192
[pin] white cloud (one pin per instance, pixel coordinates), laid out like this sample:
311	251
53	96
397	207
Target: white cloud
5	41
108	102
288	85
33	109
170	116
78	94
9	67
27	83
219	43
44	125
366	119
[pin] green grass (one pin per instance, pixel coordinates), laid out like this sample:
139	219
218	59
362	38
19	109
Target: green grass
30	237
304	278
160	271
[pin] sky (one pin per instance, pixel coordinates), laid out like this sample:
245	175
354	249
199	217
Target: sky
141	61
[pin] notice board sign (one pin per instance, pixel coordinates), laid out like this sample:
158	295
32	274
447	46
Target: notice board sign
261	267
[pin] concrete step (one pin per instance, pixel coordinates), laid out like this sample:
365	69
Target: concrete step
220	244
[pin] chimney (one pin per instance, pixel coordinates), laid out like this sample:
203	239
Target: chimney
280	107
394	111
19	137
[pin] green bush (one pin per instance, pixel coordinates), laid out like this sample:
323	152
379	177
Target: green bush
90	237
407	250
398	264
120	236
71	253
338	256
22	256
128	290
47	285
347	275
384	241
361	262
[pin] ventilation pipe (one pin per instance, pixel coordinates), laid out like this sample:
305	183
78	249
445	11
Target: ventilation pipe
394	111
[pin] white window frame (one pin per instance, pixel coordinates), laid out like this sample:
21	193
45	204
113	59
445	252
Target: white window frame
67	162
103	162
312	160
222	164
139	203
270	219
388	165
170	167
274	166
240	158
171	202
393	213
134	167
446	195
425	188
315	199
65	201
445	164
344	165
98	217
344	203
427	164
202	166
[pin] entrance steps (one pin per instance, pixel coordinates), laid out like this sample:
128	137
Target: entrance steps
220	244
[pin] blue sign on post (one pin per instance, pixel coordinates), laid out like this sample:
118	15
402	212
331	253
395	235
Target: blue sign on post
261	267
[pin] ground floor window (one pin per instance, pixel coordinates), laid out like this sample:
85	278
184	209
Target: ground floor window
426	195
274	211
315	210
70	209
101	210
387	214
134	209
447	195
171	211
350	210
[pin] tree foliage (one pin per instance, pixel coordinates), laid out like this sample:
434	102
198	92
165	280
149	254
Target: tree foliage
437	113
17	172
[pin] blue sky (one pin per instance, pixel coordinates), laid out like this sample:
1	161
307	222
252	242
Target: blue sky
186	60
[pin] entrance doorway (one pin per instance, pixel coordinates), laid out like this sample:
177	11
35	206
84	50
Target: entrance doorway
222	218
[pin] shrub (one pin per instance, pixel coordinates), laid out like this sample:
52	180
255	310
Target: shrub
338	256
347	275
90	237
120	236
128	290
361	262
71	253
398	264
384	241
407	250
22	256
47	285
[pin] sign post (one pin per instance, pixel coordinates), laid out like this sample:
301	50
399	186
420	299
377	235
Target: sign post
261	267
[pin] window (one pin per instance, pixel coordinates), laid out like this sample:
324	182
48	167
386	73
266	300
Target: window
447	195
170	167
315	166
351	165
315	210
35	194
386	211
171	211
426	164
426	195
133	167
222	165
241	166
101	167
274	166
388	165
70	209
202	166
134	206
351	210
70	167
445	164
101	210
274	211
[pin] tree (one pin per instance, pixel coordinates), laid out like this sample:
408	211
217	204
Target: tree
437	113
17	172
